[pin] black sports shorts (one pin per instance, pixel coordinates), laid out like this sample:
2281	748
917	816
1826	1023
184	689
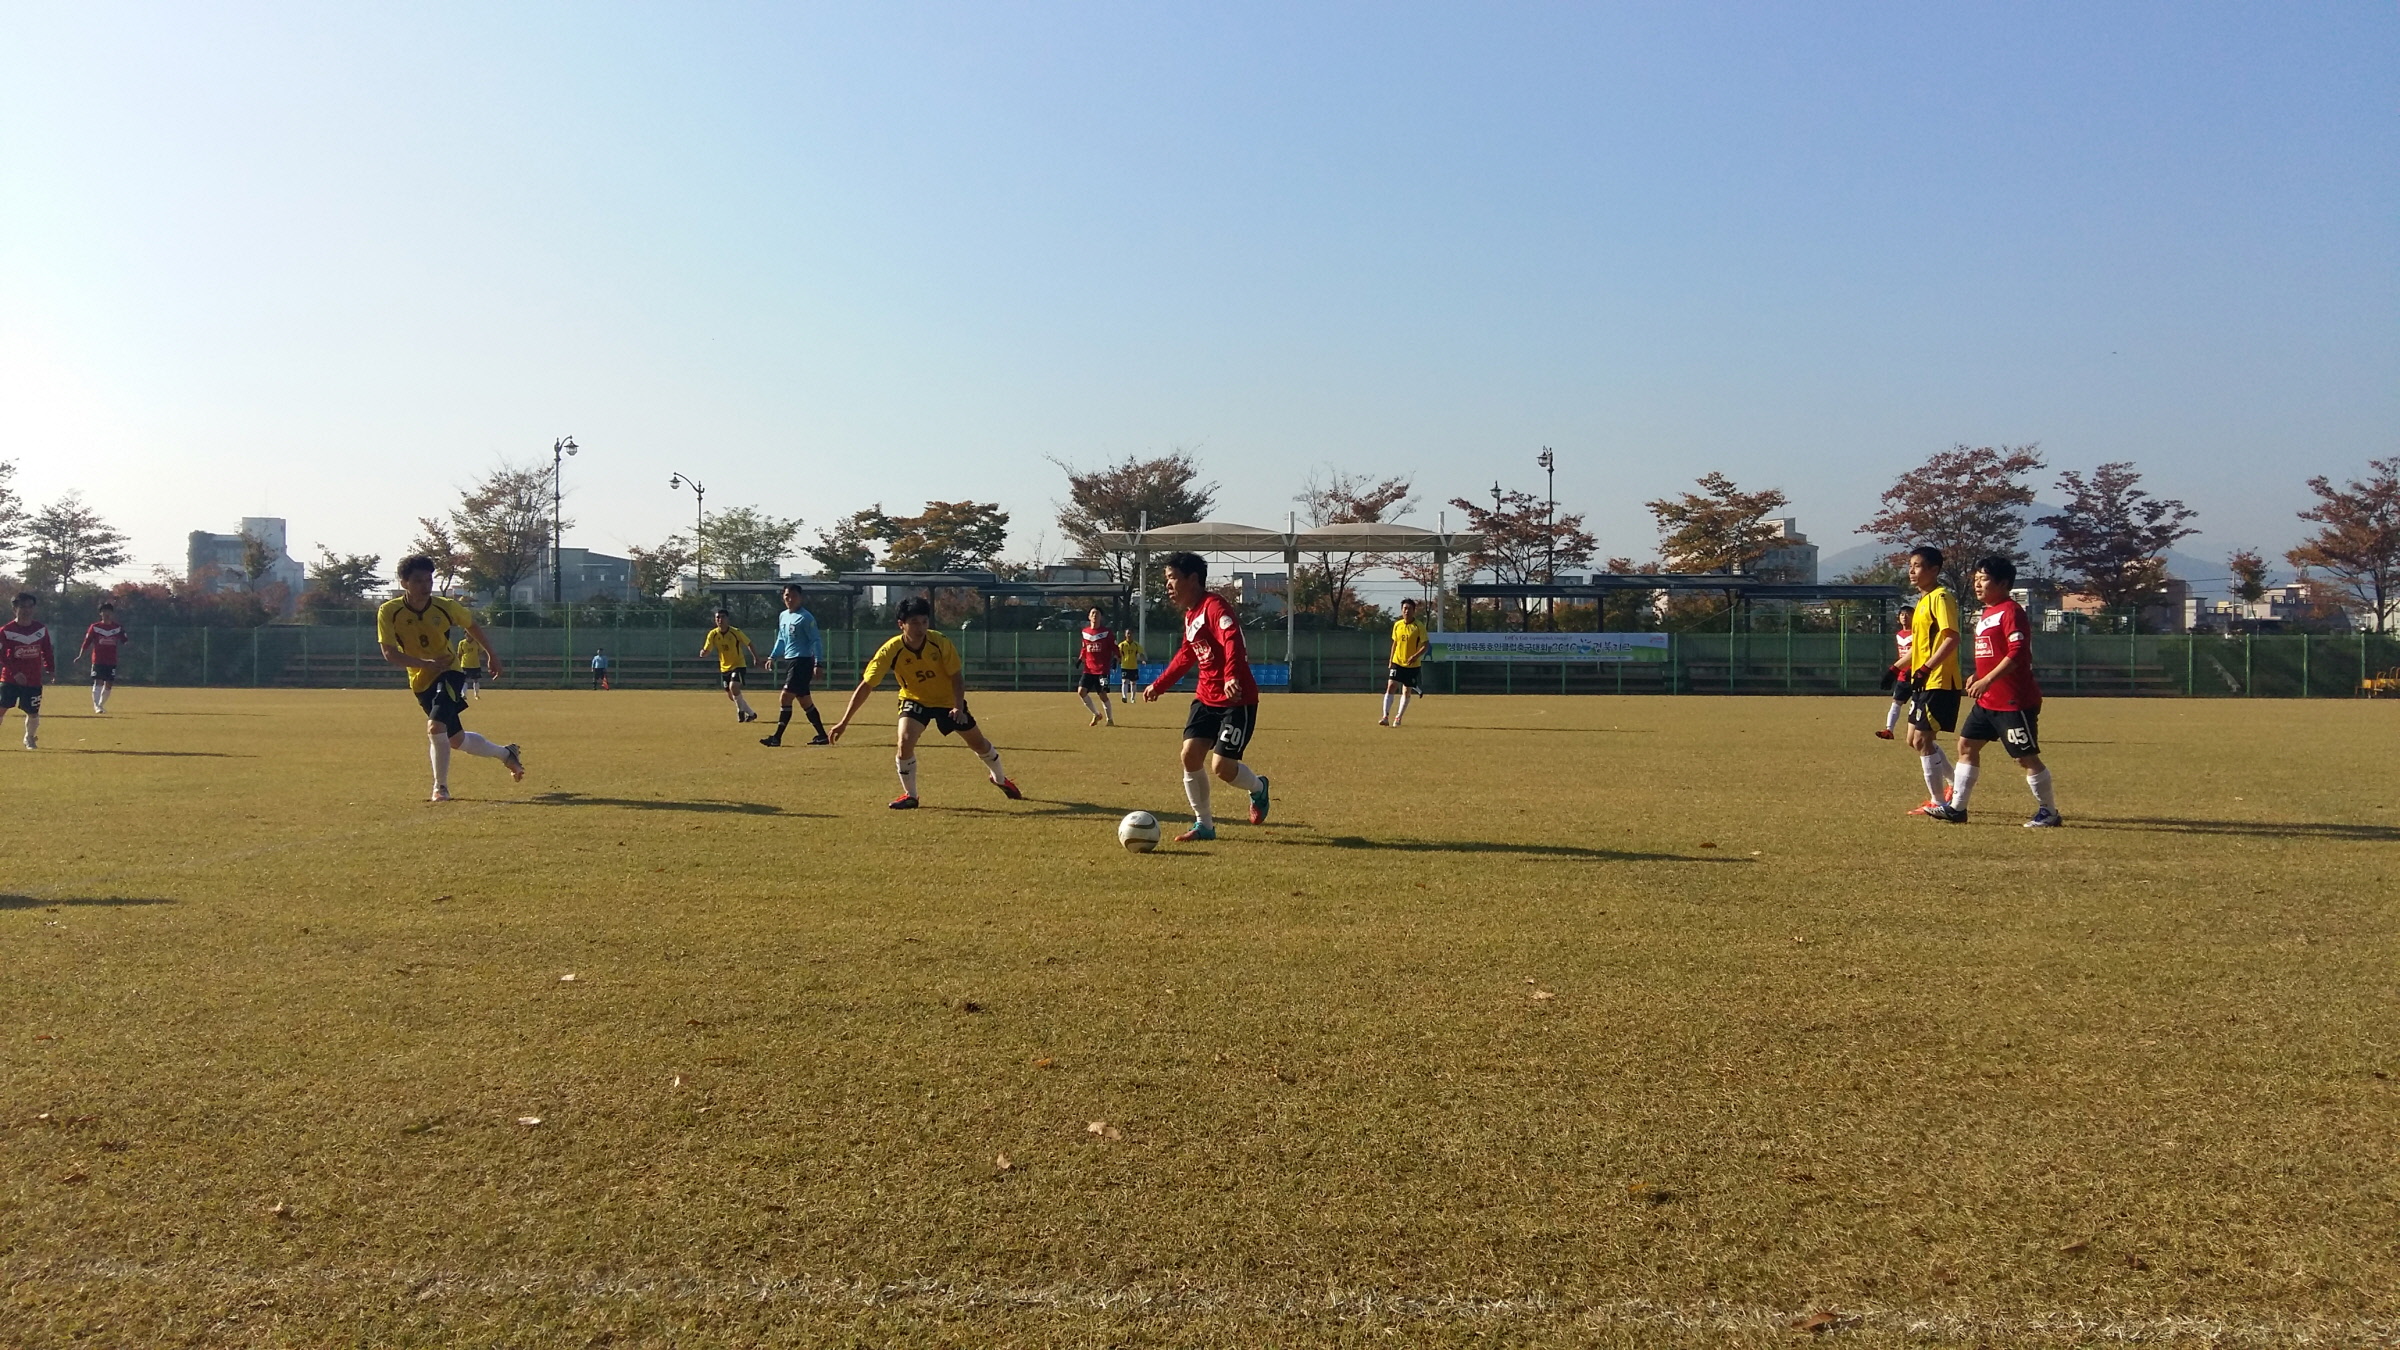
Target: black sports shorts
1406	676
941	719
1088	682
795	679
731	679
104	672
1933	709
1230	728
445	700
2016	732
26	696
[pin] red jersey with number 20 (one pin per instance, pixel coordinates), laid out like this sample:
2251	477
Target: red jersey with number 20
1212	641
2000	633
25	655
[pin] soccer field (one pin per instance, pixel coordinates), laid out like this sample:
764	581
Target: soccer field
1540	1021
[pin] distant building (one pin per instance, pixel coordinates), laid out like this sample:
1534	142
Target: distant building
584	576
220	562
1263	590
2282	608
2170	612
1790	559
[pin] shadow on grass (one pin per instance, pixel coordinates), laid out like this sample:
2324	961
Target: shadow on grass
167	754
1564	731
1039	806
1353	841
34	902
729	808
2257	829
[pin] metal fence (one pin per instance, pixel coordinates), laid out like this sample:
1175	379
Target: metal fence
2283	666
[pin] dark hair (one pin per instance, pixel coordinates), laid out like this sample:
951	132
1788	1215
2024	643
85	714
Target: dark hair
415	563
914	606
107	608
795	588
1188	564
28	598
724	613
1999	568
1407	600
1931	555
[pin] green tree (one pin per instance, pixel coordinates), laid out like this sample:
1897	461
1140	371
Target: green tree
655	570
1720	528
435	540
2108	538
2358	538
338	581
1967	501
502	526
258	560
12	511
848	544
747	544
67	540
2249	574
947	537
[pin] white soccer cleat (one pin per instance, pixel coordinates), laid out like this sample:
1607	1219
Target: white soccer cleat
440	794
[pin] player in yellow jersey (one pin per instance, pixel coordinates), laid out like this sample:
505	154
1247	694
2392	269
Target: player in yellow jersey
735	656
1933	654
933	688
1408	660
467	660
1129	668
413	629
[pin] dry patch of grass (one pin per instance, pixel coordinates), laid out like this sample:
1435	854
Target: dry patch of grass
1541	1020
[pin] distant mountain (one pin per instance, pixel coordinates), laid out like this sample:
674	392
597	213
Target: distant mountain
2207	575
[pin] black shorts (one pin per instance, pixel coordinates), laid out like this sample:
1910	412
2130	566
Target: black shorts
731	679
2019	733
1903	691
1129	673
471	674
26	696
1230	728
1933	709
1406	676
796	678
104	672
1088	682
941	719
445	700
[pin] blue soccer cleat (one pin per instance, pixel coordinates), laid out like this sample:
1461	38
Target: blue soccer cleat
2045	819
1258	802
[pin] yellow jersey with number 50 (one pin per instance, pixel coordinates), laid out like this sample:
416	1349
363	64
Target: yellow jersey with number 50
928	676
420	633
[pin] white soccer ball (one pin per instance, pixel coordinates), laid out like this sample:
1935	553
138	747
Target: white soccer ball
1138	832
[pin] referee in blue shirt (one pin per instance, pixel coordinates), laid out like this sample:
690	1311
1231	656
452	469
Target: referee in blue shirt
798	641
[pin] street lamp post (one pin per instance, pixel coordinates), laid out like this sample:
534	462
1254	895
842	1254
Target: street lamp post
699	522
1549	463
559	450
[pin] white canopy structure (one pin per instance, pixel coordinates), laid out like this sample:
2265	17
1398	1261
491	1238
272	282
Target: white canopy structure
1225	537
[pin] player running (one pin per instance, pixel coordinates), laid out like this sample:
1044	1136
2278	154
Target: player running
933	688
1933	648
1408	662
797	640
1129	667
1095	648
1896	676
468	662
1224	714
26	660
735	656
2008	703
102	643
413	629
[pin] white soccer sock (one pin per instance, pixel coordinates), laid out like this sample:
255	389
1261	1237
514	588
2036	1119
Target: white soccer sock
908	775
475	744
1387	705
441	761
1086	700
105	691
1245	778
33	727
991	761
742	703
1195	791
1962	783
2039	781
1891	715
1937	774
1403	711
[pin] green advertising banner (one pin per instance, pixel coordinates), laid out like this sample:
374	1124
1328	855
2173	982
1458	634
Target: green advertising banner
1547	647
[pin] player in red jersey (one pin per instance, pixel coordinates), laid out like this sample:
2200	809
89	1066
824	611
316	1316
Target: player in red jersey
1095	652
1896	676
2008	703
26	659
101	644
1225	712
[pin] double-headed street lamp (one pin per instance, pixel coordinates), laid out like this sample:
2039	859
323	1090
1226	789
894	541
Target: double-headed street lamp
699	522
559	450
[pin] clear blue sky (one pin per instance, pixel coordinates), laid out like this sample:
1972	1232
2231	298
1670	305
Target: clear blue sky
327	262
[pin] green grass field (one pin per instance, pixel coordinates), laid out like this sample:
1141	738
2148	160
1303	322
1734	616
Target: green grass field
1542	1021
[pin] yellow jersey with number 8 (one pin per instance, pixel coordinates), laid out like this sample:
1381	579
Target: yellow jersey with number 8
420	634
